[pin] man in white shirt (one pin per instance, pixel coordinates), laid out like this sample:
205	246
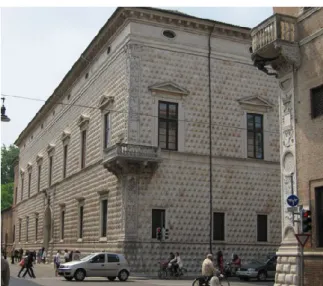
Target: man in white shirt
209	270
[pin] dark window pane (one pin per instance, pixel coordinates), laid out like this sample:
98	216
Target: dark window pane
158	220
81	221
171	146
218	226
36	229
50	170
83	154
62	224
104	220
162	145
319	215
100	258
106	130
172	111
39	176
162	124
65	161
317	101
113	258
255	136
262	228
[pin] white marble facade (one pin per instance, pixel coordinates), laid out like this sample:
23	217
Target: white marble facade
142	68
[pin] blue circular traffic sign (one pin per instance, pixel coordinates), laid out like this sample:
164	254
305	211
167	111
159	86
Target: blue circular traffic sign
292	200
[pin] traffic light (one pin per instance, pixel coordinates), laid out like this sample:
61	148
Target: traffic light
306	221
166	233
159	233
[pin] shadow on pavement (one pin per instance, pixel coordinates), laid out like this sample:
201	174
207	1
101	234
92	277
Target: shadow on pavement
22	282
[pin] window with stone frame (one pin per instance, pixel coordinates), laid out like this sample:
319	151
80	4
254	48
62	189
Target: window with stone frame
36	227
317	101
81	220
218	226
19	230
65	160
50	170
27	229
29	183
62	223
319	215
22	188
262	228
83	149
104	217
106	130
158	220
16	195
39	178
255	136
168	125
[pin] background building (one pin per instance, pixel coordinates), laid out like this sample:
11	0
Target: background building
292	44
129	149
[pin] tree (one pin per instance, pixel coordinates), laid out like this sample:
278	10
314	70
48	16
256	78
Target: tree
8	157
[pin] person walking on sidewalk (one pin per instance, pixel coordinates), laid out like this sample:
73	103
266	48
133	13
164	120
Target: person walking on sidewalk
23	263
29	266
5	272
57	261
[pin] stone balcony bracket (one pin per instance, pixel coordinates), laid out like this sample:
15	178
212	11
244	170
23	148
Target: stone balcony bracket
123	158
275	44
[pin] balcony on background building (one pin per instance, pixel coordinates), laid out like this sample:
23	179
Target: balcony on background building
275	42
123	158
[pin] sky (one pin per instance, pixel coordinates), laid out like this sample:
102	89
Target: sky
40	45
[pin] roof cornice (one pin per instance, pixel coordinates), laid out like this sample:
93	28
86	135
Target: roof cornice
110	29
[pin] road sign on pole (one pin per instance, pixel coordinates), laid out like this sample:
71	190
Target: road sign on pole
292	200
302	238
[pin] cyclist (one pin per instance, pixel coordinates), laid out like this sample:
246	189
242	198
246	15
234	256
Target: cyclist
210	271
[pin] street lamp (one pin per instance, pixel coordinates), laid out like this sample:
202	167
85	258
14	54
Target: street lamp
4	117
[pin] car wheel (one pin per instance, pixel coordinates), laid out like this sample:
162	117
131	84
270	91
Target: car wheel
123	275
262	276
79	275
112	278
69	278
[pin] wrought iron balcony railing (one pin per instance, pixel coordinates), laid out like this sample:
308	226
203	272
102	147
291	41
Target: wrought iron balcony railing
277	27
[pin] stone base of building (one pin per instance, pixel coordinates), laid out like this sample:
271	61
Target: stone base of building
313	268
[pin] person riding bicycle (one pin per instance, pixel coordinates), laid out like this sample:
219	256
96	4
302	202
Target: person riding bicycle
176	263
236	263
210	271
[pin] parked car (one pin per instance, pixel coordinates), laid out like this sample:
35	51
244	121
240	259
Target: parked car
103	264
259	270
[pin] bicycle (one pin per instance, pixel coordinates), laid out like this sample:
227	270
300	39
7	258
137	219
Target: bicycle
166	273
205	280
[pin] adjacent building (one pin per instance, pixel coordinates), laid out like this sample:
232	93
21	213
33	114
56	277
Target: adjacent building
163	121
290	43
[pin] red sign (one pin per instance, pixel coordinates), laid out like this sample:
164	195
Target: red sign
302	238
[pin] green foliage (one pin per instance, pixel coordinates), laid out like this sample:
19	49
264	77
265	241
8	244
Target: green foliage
8	157
6	195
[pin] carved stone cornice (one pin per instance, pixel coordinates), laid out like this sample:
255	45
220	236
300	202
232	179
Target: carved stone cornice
39	159
29	167
83	121
106	101
120	18
50	148
65	137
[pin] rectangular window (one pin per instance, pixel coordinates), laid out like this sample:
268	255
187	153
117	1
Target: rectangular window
319	215
19	234
14	233
83	155
50	173
255	136
104	217
27	228
29	184
106	130
39	176
81	214
62	223
262	230
167	125
218	226
22	189
65	161
16	195
36	228
158	220
317	101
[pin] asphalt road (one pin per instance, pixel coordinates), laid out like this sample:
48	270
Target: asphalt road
53	281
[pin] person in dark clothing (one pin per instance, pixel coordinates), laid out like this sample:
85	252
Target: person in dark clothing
13	255
29	266
71	256
17	255
21	253
23	266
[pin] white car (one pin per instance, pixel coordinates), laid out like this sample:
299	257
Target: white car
103	264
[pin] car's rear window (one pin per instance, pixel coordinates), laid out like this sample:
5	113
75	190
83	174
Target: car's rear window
113	258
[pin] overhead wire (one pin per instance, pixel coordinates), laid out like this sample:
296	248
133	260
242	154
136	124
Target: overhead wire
140	114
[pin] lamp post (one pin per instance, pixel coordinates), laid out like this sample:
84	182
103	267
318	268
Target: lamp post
4	117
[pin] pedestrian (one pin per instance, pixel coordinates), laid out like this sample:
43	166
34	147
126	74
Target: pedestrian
66	256
219	261
43	256
57	261
29	266
13	255
5	272
21	253
39	255
22	264
71	256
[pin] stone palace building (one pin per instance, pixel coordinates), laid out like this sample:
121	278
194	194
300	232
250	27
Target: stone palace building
162	121
291	43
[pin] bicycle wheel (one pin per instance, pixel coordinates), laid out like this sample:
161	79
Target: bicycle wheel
224	281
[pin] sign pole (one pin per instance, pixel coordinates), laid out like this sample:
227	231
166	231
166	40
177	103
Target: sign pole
302	266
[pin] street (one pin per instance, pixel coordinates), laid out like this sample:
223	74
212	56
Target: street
45	277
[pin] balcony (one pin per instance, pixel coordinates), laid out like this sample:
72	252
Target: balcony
275	42
123	158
